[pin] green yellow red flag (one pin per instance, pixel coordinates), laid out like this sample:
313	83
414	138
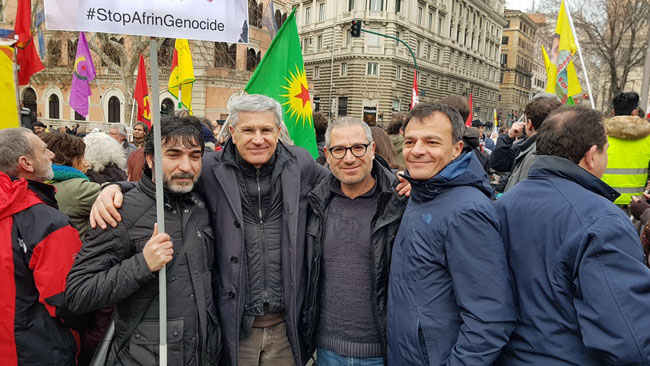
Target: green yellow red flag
281	76
562	79
7	89
182	78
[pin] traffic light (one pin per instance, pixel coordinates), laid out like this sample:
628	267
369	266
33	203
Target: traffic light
355	30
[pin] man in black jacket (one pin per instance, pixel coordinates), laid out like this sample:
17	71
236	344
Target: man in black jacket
355	214
120	265
256	191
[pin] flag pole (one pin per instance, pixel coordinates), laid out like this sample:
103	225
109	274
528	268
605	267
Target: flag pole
582	62
160	208
132	110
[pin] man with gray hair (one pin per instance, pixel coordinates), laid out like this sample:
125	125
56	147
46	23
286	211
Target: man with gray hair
118	132
38	248
256	192
355	214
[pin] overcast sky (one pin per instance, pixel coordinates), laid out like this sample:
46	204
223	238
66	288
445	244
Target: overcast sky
519	4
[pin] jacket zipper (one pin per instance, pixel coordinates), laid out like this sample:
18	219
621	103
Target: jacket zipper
265	296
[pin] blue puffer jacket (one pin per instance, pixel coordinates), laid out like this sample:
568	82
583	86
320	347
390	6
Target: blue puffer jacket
450	296
582	289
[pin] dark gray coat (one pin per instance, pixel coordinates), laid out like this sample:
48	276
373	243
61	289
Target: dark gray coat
111	269
220	187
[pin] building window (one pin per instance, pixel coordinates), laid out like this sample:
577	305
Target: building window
225	56
376	5
373	68
53	102
307	15
428	52
373	39
504	40
417	49
78	117
316	72
419	15
114	109
316	104
348	38
350	5
430	21
321	12
167	106
396	105
504	59
344	69
398	72
398	6
343	106
319	43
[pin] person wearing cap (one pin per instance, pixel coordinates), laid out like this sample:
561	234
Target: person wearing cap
486	143
518	158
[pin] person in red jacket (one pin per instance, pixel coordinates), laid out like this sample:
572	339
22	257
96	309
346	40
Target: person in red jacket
37	248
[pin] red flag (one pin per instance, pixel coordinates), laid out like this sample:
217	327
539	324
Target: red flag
142	95
414	95
27	57
468	123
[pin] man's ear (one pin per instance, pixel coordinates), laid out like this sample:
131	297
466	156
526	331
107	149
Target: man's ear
588	161
635	112
25	164
529	125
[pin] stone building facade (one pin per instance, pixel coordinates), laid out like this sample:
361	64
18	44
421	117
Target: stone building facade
221	70
456	44
518	61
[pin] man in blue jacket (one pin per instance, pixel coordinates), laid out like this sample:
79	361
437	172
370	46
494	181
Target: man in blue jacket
582	288
450	298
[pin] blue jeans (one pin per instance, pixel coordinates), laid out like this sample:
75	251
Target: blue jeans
326	357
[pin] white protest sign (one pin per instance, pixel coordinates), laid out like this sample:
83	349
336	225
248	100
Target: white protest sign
207	20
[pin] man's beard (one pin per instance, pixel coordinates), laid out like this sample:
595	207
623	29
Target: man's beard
44	172
179	188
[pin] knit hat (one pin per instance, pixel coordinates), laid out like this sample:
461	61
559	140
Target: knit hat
207	135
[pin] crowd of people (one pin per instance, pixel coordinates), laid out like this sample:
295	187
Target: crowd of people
427	243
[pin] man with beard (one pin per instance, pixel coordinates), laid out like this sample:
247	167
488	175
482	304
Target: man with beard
119	265
38	245
140	131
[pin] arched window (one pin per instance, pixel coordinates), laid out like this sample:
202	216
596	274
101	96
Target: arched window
225	56
29	100
278	18
251	59
114	109
53	106
167	106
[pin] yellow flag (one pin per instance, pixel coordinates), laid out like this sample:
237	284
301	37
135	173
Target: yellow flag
182	74
562	79
551	73
7	90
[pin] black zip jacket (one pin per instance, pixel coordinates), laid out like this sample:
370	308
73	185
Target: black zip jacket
385	224
111	269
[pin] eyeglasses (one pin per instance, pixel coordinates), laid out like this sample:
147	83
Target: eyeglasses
358	150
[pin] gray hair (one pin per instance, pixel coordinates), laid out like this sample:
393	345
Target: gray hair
347	122
120	128
254	103
13	144
103	150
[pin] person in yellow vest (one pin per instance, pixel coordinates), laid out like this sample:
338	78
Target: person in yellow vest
629	149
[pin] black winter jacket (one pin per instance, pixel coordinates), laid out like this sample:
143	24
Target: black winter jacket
220	187
111	269
385	224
